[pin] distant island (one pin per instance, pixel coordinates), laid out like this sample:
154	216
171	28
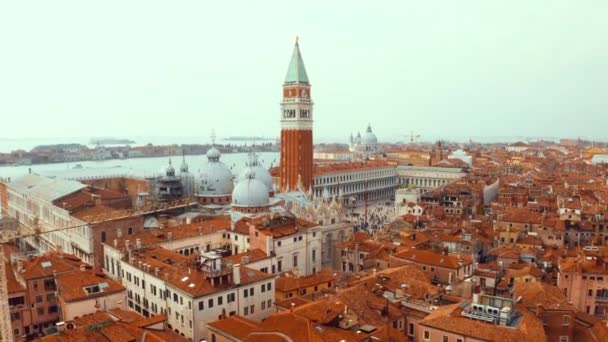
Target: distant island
244	138
111	141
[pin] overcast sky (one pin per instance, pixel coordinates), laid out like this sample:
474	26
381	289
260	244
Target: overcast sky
181	68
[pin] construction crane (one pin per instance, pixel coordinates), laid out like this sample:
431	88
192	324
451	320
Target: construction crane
413	137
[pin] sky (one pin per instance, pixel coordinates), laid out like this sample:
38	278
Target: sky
182	68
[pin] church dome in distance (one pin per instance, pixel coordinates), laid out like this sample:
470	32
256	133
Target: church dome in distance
369	137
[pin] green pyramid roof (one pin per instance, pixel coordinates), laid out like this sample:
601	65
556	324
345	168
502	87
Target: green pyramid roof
296	73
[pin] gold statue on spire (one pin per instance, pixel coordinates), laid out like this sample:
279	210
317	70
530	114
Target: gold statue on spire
297	39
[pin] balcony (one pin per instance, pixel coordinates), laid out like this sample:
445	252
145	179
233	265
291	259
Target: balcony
602	299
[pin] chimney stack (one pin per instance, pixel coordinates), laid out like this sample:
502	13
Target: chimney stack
236	274
118	233
170	236
115	243
138	243
83	267
156	270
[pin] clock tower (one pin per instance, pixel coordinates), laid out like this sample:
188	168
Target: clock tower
296	126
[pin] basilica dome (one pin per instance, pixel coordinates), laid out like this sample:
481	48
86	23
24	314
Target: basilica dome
216	178
369	138
250	192
260	173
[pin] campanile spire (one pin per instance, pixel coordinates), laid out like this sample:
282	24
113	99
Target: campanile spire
296	125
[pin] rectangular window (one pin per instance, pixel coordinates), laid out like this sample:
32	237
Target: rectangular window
251	292
201	305
269	286
220	300
210	303
246	311
230	297
566	320
427	335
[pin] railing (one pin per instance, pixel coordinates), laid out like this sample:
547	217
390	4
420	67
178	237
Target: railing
480	315
416	305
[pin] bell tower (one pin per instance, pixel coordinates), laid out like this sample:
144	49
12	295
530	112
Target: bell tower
296	126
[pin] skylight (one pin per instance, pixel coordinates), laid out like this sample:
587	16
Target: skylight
103	285
46	264
185	279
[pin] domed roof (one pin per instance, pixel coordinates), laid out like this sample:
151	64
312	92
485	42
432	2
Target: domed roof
216	178
250	192
370	138
260	173
214	154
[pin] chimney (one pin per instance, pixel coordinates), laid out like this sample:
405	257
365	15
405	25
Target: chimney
170	236
236	274
83	267
138	243
19	265
96	199
128	245
156	270
118	233
115	243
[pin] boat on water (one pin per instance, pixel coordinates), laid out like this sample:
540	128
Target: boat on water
77	166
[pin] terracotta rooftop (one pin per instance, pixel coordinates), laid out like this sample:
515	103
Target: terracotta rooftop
236	326
449	319
101	327
181	272
46	265
72	285
289	282
434	259
154	237
537	293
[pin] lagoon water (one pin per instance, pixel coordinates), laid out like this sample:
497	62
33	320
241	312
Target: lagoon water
135	167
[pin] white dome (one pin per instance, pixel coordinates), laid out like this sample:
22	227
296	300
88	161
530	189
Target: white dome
370	138
216	178
250	192
259	172
213	153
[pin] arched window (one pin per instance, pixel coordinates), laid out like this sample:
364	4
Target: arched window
130	231
103	236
